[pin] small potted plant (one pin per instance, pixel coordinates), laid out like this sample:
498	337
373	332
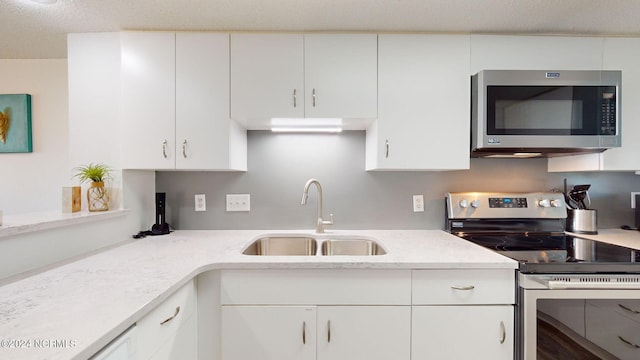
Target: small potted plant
97	195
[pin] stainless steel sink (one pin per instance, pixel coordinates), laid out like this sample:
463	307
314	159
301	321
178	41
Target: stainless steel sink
353	247
282	246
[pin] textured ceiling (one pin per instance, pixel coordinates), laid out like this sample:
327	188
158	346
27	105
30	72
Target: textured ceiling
31	30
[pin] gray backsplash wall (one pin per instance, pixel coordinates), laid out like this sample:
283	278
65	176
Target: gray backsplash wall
280	164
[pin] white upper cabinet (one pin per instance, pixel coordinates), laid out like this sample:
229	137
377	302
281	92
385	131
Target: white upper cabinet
206	137
619	54
175	96
423	104
341	75
296	76
267	76
512	52
148	100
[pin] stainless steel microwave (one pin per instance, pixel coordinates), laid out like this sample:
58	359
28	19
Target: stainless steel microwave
537	113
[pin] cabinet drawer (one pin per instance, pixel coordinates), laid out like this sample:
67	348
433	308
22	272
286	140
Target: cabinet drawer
613	332
485	286
163	322
316	287
629	308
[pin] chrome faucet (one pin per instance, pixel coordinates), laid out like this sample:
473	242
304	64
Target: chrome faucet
320	223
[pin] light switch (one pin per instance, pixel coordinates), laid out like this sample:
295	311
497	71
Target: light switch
238	202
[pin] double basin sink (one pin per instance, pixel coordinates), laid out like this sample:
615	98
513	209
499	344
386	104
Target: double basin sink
307	245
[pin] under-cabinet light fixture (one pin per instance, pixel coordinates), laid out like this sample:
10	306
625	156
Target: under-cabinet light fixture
307	129
315	125
515	155
47	2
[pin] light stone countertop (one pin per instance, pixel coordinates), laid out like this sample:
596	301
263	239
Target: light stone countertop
626	238
83	305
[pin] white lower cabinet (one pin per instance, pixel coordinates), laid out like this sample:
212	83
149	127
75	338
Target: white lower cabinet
463	314
462	332
268	332
315	332
316	314
170	330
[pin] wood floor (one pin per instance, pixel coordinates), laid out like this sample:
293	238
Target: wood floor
554	345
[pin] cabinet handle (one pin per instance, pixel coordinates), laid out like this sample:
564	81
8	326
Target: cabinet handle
304	332
468	287
164	149
171	317
386	149
295	103
503	332
328	331
184	149
629	309
313	97
628	342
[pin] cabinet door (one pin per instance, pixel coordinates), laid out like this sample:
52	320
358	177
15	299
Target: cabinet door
184	345
266	76
364	332
203	125
148	100
619	54
423	109
512	52
340	75
268	333
462	332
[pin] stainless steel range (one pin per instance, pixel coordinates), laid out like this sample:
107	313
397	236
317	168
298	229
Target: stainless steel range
555	270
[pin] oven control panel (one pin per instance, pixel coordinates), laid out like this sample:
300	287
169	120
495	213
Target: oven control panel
508	202
478	205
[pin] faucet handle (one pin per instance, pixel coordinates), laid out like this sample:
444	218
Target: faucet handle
329	222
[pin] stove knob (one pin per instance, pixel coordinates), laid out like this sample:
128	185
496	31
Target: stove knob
544	203
556	203
475	203
463	203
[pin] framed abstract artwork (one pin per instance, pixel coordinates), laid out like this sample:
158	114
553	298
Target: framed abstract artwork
15	123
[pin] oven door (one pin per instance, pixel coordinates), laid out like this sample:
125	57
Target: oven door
588	323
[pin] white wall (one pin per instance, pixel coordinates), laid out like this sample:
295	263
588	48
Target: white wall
63	139
32	181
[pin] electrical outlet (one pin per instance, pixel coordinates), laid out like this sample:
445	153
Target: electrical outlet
418	203
238	202
633	199
200	202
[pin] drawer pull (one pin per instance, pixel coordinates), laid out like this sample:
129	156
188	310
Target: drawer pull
503	332
629	309
386	149
294	98
313	97
467	287
328	331
628	342
304	332
171	317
